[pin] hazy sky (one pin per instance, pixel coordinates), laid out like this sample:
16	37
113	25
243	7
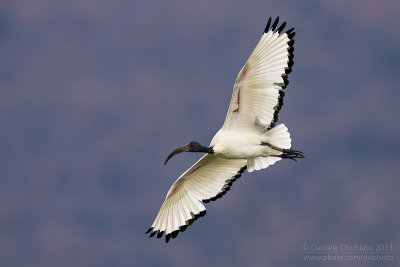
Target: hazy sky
95	95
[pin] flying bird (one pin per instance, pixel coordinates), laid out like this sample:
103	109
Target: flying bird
249	138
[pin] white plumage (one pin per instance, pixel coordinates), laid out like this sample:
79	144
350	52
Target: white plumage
248	139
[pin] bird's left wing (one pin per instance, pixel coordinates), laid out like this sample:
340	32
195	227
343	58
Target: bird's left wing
257	94
208	179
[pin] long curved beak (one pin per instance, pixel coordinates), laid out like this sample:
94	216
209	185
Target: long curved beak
177	151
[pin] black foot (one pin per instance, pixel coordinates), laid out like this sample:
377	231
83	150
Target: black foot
291	154
286	153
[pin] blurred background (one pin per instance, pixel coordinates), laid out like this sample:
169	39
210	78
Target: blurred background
95	94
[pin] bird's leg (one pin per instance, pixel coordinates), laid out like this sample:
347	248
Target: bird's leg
286	153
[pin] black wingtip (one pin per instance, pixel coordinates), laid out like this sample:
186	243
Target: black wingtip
167	238
190	221
268	25
280	29
289	31
152	234
160	234
174	234
291	35
148	231
275	23
183	228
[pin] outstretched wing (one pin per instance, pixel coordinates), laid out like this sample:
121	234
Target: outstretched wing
208	179
257	94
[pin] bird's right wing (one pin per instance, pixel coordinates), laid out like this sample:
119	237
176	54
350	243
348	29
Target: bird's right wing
208	179
257	94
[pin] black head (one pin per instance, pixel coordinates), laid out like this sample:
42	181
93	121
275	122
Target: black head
190	147
194	146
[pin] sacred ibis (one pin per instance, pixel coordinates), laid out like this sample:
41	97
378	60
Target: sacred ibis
249	138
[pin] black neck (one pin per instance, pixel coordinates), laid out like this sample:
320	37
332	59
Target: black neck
201	148
209	150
